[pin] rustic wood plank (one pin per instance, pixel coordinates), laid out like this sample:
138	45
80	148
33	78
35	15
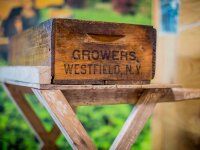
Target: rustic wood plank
101	96
129	82
33	46
108	87
26	74
17	95
181	94
98	82
88	52
126	96
65	118
24	84
136	120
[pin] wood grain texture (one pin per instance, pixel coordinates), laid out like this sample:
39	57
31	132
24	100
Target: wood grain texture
65	118
102	96
32	47
136	120
88	52
26	74
126	96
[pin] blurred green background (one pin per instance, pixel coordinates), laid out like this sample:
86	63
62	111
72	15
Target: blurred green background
102	122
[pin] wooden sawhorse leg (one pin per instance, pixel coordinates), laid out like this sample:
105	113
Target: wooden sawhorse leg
136	120
73	130
62	113
47	140
64	116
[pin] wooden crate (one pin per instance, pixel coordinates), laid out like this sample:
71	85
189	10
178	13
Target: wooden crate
88	52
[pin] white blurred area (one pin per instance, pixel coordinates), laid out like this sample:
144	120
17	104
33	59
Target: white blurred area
177	125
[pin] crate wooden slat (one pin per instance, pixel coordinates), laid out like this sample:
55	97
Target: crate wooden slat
88	52
26	74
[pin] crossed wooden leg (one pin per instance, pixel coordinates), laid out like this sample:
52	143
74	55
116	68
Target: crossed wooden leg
62	113
46	139
136	120
65	118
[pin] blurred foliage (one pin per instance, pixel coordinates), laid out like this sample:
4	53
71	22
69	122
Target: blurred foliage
104	12
144	7
91	3
14	132
102	122
108	15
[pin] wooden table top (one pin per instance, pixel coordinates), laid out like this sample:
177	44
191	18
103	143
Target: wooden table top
40	77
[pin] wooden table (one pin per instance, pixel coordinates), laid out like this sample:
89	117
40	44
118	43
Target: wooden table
61	100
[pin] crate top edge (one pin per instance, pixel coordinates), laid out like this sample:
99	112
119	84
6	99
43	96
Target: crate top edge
51	21
94	21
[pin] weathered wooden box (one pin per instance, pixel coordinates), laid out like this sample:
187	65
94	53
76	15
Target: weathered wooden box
88	52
